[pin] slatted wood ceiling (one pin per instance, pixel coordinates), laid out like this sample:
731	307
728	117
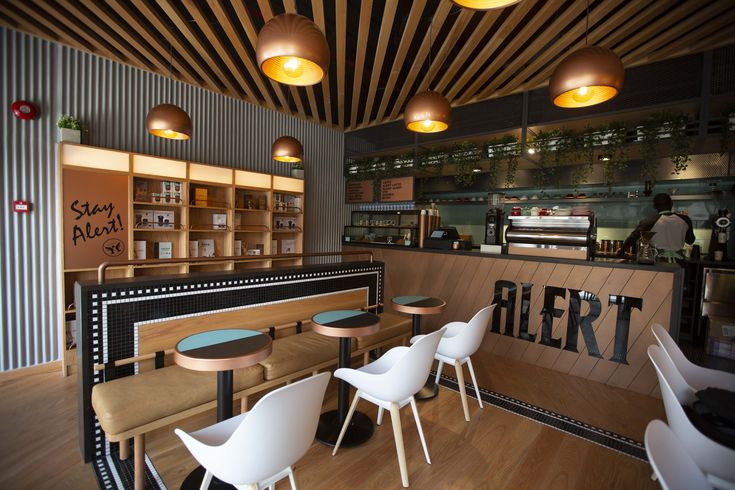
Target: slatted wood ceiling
383	51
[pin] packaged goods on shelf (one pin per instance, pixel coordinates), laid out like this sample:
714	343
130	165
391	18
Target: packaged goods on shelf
288	246
238	248
274	247
219	221
253	251
262	203
164	250
238	221
143	218
193	248
206	248
141	191
200	196
163	220
139	249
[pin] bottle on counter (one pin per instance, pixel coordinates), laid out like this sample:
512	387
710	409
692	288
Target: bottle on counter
423	227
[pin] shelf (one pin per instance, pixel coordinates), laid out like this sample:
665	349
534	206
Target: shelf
645	199
165	230
288	212
216	208
287	231
384	226
161	204
158	266
207	230
252	231
252	210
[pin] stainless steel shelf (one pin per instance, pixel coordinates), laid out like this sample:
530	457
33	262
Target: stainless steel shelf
684	197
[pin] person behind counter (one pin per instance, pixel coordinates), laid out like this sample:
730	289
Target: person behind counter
672	230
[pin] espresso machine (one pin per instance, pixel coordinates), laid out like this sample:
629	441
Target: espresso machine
494	219
720	235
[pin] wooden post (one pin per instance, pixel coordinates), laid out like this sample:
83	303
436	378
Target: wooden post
139	461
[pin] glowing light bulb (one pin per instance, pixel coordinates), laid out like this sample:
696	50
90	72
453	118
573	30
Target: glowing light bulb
582	91
169	132
583	94
293	68
427	124
531	151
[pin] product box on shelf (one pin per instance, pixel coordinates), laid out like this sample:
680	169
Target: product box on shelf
288	246
200	196
253	251
262	203
163	220
163	250
141	191
206	248
238	221
238	248
284	223
193	248
139	249
143	218
274	247
219	221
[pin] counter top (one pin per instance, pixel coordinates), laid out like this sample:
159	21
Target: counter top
606	262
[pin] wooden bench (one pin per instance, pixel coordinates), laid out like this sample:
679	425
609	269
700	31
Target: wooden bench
132	406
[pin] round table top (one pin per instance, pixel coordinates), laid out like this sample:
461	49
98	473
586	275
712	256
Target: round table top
222	350
418	305
345	323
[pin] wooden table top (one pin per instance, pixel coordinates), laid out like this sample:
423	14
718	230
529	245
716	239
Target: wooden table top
345	323
418	305
222	350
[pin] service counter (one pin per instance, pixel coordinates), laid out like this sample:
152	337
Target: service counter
590	319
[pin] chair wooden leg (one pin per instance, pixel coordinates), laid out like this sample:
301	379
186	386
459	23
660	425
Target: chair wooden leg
291	479
366	358
438	372
421	429
139	461
124	449
474	381
462	392
206	480
395	418
243	404
347	421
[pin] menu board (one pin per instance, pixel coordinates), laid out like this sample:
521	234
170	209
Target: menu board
396	190
95	213
359	191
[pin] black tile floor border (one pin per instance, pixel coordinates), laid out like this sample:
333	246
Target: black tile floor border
115	474
590	433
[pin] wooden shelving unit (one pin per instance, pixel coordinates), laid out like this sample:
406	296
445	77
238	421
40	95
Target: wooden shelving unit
245	198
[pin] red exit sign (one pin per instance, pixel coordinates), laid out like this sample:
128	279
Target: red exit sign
21	206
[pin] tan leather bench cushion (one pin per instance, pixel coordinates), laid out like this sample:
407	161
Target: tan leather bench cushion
126	403
391	325
297	352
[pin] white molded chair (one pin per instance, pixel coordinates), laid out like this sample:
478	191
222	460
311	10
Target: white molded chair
257	448
715	460
697	377
390	382
675	469
460	341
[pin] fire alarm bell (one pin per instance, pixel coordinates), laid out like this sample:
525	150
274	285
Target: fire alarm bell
21	206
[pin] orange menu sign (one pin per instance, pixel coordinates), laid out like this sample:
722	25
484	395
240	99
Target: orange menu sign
396	190
359	191
95	210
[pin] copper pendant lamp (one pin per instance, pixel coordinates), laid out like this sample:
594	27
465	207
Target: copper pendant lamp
427	112
588	76
287	149
168	121
484	4
291	49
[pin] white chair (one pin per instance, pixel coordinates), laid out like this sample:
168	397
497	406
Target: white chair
460	341
697	377
258	448
390	382
715	460
675	469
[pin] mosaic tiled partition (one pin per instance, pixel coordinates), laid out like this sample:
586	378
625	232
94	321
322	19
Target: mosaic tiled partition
110	314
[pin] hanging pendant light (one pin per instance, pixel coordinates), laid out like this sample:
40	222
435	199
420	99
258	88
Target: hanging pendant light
484	4
168	120
287	149
427	112
291	49
588	76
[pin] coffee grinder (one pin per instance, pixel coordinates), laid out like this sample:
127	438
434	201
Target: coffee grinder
720	235
494	219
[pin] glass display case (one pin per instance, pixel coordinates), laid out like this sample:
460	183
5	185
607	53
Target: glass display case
385	227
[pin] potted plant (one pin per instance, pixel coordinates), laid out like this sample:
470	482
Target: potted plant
297	171
70	129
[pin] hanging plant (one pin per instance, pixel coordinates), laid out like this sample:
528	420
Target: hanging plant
726	129
432	161
545	143
500	151
464	157
648	133
511	166
583	153
676	126
616	150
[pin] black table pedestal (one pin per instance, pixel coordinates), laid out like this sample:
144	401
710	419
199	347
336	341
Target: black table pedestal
330	423
224	411
430	389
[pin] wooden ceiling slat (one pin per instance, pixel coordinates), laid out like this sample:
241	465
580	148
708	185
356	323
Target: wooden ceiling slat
414	17
569	42
114	35
290	7
185	73
543	36
317	7
341	26
621	32
439	17
249	27
221	50
386	26
185	27
366	10
709	40
447	44
242	52
29	25
519	12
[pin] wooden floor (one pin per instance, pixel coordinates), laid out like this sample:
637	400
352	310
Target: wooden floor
496	450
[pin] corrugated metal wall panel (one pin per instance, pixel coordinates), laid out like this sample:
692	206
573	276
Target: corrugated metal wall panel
112	101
